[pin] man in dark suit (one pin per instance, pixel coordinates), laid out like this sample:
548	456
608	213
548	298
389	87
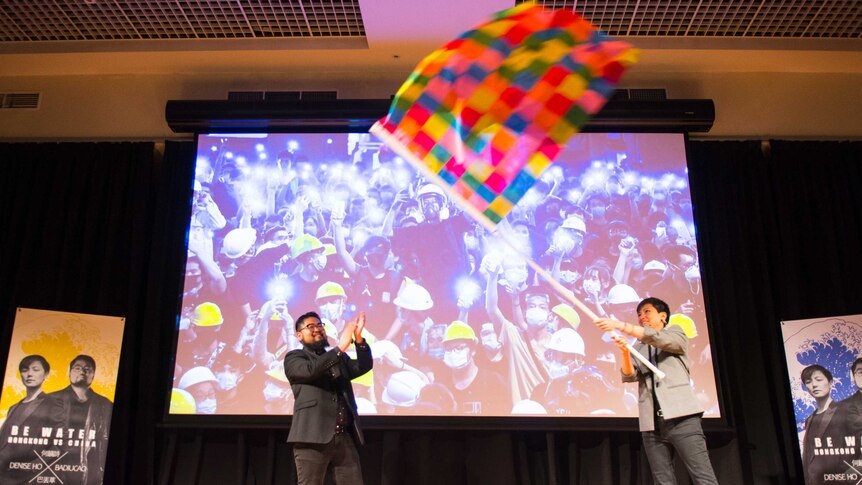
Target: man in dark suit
88	413
325	423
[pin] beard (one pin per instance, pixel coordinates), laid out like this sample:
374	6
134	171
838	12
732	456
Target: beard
318	346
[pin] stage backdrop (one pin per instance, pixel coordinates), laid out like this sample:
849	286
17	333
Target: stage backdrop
57	398
825	376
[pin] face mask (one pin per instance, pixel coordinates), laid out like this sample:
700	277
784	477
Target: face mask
456	359
207	406
320	262
331	311
557	370
272	392
226	380
591	286
536	316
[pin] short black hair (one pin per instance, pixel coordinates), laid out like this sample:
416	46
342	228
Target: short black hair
659	305
26	361
856	363
302	318
811	369
85	358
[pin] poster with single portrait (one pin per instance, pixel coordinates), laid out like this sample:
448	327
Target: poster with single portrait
824	364
57	399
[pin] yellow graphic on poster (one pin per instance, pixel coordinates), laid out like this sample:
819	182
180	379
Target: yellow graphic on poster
57	399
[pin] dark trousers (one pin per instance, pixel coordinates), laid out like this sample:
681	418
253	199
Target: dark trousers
313	460
685	436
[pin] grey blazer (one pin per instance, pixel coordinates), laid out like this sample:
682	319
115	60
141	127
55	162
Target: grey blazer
316	389
674	393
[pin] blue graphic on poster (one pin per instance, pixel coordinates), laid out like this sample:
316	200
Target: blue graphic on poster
824	364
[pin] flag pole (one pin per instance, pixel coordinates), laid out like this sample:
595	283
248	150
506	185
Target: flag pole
564	292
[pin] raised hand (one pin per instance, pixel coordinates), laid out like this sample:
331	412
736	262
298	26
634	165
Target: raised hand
360	326
609	324
347	335
620	342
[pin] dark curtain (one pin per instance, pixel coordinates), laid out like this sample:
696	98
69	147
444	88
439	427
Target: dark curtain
778	230
99	228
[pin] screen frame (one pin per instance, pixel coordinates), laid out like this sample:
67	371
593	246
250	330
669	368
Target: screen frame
350	116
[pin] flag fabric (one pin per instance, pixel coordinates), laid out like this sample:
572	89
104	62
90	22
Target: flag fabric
487	113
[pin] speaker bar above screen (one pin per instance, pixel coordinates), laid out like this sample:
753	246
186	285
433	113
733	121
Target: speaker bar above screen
350	115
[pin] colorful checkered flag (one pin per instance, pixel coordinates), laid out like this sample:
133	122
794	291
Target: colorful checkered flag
487	113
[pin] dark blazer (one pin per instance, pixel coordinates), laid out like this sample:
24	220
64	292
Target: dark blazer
316	390
842	419
97	423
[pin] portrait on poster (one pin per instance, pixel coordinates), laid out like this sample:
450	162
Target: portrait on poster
57	399
824	364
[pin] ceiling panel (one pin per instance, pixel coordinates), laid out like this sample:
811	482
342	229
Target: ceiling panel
96	20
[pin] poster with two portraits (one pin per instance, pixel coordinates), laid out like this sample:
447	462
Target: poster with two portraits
824	364
57	397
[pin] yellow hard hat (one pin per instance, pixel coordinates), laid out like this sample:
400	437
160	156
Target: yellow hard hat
568	314
458	330
685	323
207	314
306	243
330	288
182	402
276	371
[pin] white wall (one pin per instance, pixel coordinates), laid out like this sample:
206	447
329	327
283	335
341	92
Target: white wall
93	98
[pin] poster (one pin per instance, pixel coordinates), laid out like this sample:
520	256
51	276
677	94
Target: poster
57	399
824	364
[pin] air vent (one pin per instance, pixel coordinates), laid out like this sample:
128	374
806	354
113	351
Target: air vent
19	100
282	95
647	94
318	95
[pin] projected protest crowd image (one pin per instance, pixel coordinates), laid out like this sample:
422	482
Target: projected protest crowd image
457	321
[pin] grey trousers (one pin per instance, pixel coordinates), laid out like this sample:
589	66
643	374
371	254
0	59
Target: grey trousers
685	436
313	460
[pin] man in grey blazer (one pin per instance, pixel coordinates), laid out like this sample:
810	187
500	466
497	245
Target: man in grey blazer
325	423
668	410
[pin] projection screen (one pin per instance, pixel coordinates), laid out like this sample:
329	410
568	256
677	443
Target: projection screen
283	224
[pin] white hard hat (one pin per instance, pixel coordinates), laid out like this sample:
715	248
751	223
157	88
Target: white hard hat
388	348
402	390
567	340
413	296
527	406
196	375
428	189
623	294
364	406
655	265
575	222
238	241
